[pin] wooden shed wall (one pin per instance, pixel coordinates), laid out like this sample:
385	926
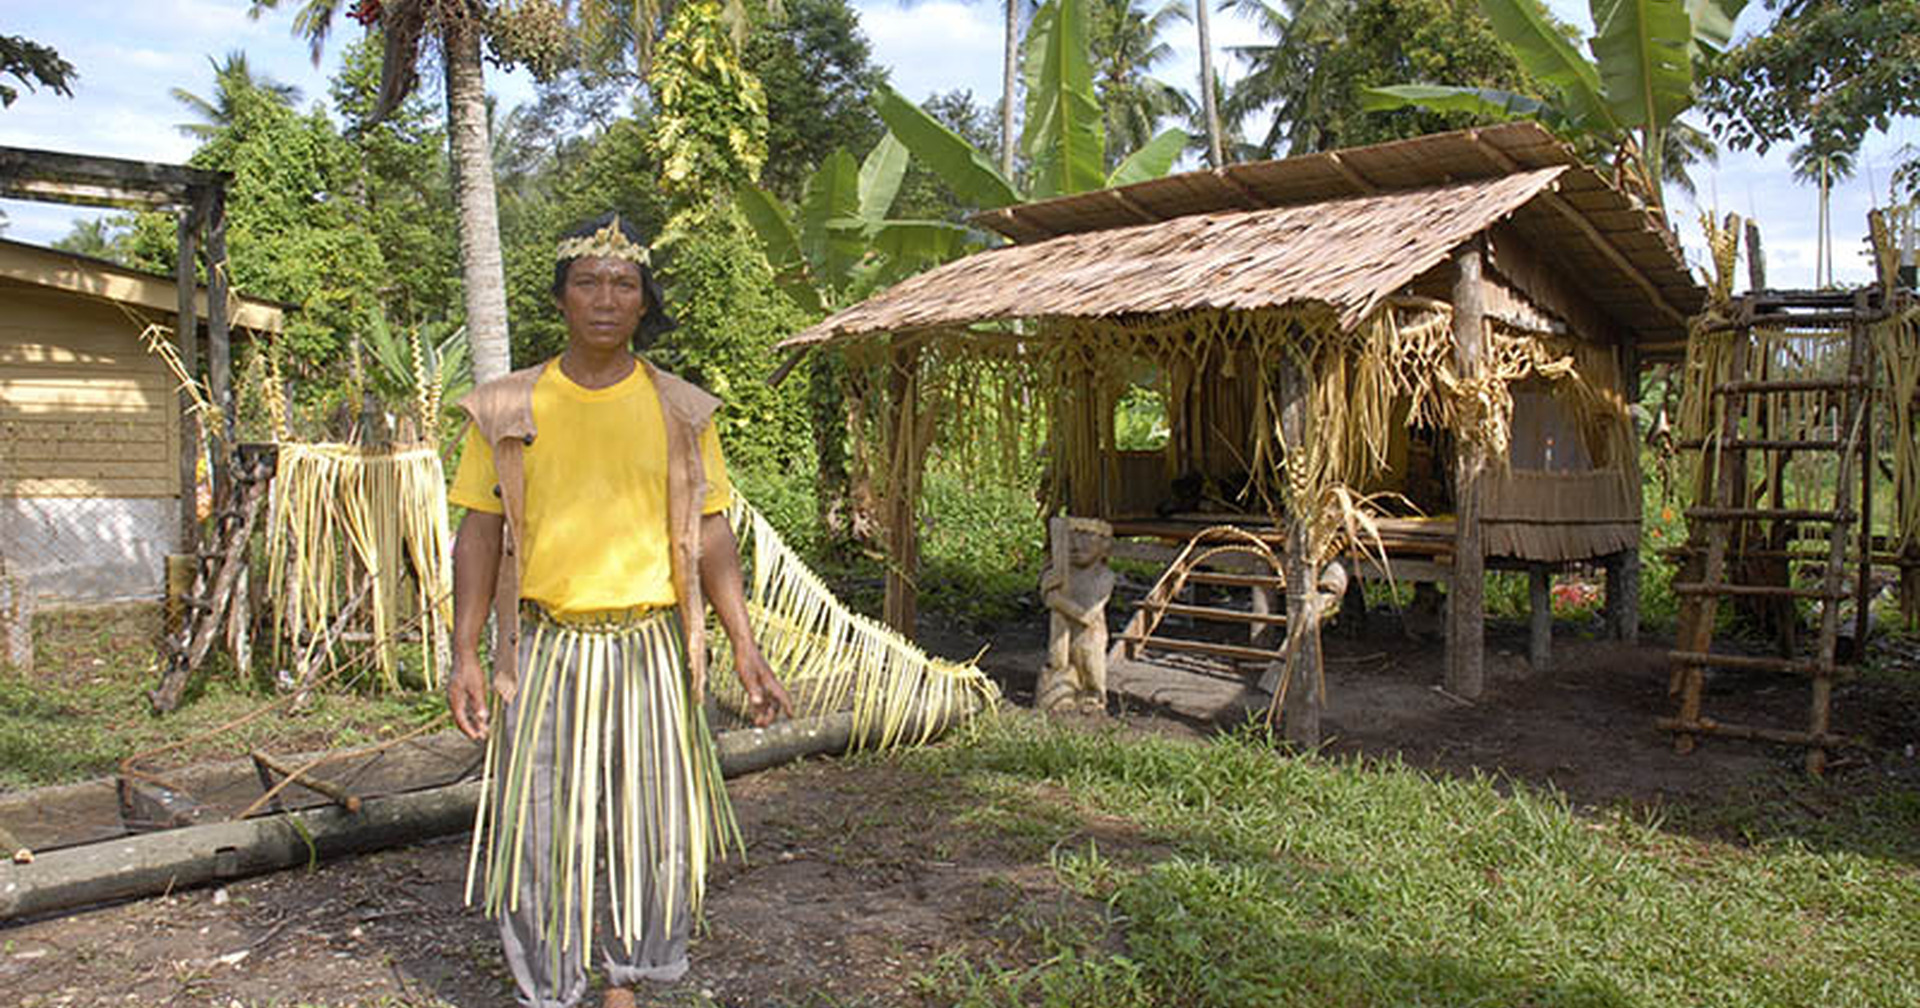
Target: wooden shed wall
85	410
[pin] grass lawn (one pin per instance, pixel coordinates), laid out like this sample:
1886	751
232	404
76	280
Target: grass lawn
85	707
1251	879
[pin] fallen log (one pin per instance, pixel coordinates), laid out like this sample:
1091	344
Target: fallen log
171	860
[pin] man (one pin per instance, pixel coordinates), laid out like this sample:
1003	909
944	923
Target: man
595	489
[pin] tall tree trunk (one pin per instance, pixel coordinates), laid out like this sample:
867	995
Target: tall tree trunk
1216	155
1009	62
481	271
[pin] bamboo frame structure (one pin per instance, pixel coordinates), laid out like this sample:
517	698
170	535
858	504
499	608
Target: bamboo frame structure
1785	395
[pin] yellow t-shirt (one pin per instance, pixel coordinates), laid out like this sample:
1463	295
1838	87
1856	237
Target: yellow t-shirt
596	522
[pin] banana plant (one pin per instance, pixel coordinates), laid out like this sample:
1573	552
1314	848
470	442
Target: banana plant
839	244
1063	140
1630	92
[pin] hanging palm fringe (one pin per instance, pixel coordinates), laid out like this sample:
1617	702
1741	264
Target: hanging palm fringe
345	517
1059	378
831	658
624	756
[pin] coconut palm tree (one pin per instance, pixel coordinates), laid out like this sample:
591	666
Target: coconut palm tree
1287	74
231	77
456	27
1201	19
1127	44
1823	162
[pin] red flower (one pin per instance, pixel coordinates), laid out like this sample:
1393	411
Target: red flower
367	12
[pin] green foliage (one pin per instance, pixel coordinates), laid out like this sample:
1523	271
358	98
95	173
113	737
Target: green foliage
109	238
1063	139
982	544
1828	70
1064	131
839	245
731	315
1140	420
294	230
1420	40
403	185
816	68
31	63
710	125
1628	95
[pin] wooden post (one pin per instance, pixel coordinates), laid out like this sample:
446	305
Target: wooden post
1623	596
1466	605
186	325
901	609
219	353
1756	259
16	628
1300	715
1261	634
1540	616
1622	605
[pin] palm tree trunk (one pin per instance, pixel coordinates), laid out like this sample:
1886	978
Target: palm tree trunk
1216	157
1009	62
483	276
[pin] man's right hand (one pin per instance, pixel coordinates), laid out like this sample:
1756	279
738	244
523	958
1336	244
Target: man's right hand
467	696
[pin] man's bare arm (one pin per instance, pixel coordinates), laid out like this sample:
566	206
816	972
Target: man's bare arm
476	567
721	581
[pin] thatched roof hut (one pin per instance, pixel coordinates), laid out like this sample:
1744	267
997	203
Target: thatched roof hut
1481	290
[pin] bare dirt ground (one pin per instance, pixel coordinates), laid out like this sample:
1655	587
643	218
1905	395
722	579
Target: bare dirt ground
861	877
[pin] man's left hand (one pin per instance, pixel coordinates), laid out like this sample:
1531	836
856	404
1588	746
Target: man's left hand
767	700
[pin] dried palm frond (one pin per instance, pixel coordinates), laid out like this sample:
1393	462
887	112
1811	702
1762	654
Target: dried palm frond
832	658
160	343
387	510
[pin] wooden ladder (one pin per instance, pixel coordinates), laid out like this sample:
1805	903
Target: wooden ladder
1730	507
1194	565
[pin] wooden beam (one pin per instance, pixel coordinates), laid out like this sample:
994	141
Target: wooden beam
62	177
186	330
1300	713
1540	617
1249	199
901	608
1353	177
1601	242
1133	208
1466	604
219	352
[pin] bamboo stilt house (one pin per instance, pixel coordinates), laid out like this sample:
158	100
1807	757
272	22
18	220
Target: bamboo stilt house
1453	320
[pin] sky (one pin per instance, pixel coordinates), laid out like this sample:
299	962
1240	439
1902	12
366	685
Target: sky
131	55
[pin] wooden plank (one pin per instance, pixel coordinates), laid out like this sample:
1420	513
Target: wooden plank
121	468
1235	651
1752	663
1708	726
1219	615
82	451
140	488
1753	591
129	428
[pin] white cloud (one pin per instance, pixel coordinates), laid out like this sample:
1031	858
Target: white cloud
937	46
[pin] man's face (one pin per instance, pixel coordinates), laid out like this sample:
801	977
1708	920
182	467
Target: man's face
602	301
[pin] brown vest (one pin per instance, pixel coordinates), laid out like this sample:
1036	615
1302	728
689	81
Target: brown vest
502	410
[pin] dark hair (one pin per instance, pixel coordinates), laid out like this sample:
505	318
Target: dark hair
656	320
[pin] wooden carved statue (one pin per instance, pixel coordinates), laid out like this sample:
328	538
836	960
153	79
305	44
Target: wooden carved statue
1076	587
